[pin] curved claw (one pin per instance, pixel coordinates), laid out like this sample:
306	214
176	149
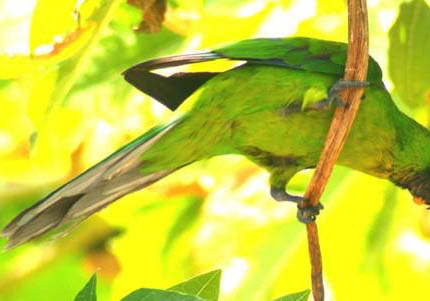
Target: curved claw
305	215
308	215
346	84
333	93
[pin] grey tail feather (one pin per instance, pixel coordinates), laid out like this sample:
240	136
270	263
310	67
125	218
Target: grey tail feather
112	178
176	60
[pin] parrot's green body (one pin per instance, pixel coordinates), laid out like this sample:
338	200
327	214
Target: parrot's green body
265	110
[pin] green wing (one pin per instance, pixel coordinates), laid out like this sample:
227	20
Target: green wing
299	53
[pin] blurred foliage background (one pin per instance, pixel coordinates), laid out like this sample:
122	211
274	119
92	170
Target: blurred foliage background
64	106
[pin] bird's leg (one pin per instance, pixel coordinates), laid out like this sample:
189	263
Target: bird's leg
305	214
333	93
279	194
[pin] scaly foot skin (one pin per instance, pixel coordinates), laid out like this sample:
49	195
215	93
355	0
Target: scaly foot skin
333	94
280	195
307	214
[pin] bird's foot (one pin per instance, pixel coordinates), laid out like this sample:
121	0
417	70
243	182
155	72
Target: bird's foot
308	215
333	93
304	214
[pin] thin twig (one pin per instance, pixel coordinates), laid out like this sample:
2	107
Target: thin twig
356	69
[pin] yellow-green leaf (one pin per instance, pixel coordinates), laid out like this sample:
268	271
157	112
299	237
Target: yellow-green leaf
408	54
150	294
51	18
88	293
302	296
205	286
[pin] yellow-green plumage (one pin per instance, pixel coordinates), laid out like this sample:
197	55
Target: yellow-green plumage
265	110
256	111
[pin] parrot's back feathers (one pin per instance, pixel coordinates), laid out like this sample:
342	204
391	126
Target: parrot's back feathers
299	53
93	190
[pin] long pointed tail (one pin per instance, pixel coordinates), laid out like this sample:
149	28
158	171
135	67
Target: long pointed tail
99	186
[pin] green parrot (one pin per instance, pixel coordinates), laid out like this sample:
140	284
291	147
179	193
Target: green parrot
275	109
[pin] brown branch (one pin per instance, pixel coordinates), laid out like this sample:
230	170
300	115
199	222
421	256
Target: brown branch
356	69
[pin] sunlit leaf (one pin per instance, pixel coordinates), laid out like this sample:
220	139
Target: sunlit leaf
87	8
408	52
205	286
14	66
188	218
302	296
74	49
42	85
70	69
51	18
148	294
134	48
88	293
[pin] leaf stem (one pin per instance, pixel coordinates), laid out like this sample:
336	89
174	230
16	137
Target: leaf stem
355	69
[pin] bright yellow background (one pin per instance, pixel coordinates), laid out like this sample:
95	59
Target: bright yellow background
64	107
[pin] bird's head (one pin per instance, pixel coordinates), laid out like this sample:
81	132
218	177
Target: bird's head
418	184
420	201
419	187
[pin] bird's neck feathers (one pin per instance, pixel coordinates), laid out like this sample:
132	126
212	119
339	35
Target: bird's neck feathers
411	168
418	184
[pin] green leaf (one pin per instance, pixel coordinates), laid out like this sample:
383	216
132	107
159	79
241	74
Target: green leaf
205	286
88	293
70	70
302	296
185	221
69	57
106	64
149	294
408	53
